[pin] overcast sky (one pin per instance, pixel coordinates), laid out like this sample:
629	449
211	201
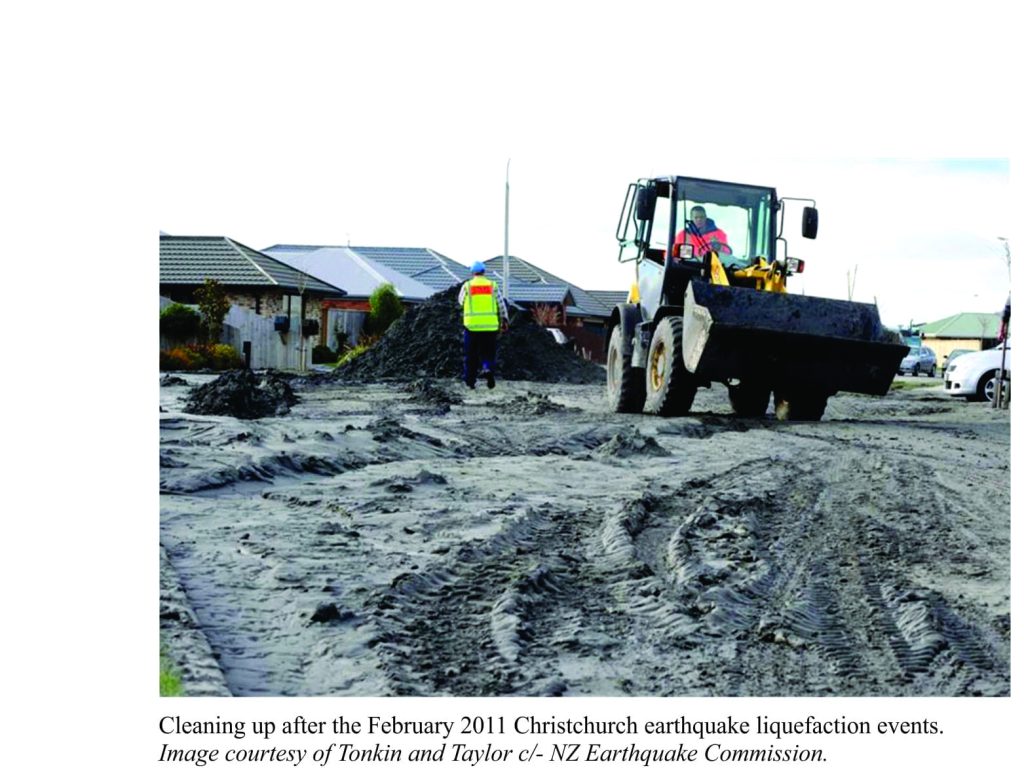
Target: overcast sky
344	133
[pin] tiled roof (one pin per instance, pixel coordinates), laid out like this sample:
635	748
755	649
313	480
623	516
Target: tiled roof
523	270
186	260
425	266
531	292
609	298
422	264
349	268
965	325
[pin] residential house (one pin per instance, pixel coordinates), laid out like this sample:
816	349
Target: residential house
361	274
557	302
275	309
966	330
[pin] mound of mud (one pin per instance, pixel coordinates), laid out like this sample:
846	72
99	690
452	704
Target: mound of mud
533	404
244	395
631	444
430	392
427	341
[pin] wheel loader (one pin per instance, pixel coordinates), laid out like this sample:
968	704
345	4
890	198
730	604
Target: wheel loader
710	305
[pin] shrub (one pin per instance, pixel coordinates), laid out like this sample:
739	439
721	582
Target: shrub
324	354
179	323
176	359
223	357
194	357
385	308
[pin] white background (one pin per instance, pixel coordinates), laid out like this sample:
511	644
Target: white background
392	125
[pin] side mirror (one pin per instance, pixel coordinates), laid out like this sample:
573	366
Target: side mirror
645	197
810	225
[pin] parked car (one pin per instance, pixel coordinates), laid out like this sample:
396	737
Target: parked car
974	375
919	360
953	355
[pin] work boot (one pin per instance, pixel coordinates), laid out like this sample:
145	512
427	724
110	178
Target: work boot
471	384
489	375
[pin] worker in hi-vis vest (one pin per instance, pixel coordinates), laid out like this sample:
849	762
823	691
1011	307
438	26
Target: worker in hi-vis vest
483	314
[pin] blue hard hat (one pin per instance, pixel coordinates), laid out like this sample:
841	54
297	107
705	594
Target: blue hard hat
477	268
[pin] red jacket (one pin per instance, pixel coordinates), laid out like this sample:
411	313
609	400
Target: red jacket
709	232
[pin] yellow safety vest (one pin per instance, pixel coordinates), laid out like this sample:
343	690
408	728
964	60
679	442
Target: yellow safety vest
480	306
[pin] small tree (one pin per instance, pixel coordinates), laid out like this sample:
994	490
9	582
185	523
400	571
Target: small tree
179	323
385	308
213	306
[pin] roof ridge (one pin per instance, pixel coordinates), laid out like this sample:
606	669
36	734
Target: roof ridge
238	247
365	263
440	260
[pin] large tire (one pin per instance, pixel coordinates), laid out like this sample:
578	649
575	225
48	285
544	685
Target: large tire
750	399
800	406
625	383
670	387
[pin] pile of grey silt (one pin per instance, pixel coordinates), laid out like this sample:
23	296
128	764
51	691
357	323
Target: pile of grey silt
244	395
427	342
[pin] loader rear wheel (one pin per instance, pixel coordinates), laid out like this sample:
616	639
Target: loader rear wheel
800	406
670	387
625	383
750	400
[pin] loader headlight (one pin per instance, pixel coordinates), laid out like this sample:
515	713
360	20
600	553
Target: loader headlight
794	266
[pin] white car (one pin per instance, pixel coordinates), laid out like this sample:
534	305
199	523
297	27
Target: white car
974	375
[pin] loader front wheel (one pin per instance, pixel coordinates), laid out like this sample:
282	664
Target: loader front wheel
750	399
625	384
670	387
800	406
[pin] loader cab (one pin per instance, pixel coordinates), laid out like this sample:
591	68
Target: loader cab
663	212
657	228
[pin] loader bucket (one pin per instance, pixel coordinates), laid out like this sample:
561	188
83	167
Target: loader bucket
787	341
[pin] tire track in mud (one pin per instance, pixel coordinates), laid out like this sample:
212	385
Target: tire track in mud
779	569
831	562
464	628
855	597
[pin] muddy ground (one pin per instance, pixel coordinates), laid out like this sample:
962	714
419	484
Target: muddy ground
422	539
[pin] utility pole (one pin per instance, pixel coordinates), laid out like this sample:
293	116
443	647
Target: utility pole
504	261
1001	400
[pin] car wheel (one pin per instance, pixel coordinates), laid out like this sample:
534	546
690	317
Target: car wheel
931	372
986	390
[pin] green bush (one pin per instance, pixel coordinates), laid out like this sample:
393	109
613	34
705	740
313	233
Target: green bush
179	323
324	354
385	308
223	357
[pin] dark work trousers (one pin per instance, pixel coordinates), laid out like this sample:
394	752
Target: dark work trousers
478	349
